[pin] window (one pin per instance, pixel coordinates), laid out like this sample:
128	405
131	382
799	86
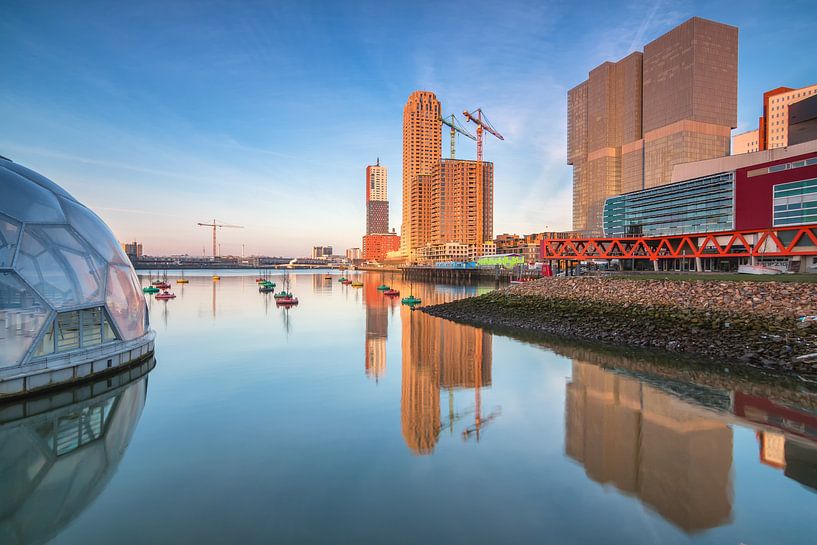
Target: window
76	329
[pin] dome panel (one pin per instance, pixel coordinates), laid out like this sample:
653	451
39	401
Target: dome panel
37	178
125	302
9	234
61	267
22	315
24	200
94	230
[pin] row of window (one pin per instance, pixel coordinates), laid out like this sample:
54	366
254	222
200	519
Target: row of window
76	329
795	203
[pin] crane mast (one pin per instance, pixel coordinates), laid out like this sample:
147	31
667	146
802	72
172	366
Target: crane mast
215	225
456	127
478	117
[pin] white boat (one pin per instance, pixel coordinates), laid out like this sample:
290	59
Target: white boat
757	269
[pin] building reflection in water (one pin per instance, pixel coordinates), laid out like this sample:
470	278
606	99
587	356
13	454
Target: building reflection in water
438	354
674	456
58	453
787	437
377	329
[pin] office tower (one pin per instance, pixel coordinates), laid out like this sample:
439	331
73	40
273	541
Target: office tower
773	125
462	204
631	121
377	201
319	252
422	150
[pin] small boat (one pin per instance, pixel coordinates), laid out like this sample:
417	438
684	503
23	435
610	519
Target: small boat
357	284
157	282
182	281
391	293
346	282
757	269
216	277
411	301
282	295
383	287
328	277
287	301
342	279
162	285
150	289
166	295
264	288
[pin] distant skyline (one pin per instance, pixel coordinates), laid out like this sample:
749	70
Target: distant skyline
160	115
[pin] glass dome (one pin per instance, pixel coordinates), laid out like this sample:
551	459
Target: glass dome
65	283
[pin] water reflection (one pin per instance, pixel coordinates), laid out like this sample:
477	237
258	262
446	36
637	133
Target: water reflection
674	456
441	355
58	453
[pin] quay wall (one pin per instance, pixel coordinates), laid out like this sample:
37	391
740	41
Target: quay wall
753	323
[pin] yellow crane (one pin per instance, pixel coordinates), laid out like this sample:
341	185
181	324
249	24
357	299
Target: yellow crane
215	225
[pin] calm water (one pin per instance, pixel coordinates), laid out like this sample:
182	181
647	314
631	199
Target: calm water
351	419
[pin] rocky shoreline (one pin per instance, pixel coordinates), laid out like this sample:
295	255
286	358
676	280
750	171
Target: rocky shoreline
750	323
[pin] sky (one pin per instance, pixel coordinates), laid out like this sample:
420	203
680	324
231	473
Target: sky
159	115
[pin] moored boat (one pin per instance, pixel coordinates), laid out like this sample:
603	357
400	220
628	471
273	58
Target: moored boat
166	295
411	301
391	293
383	287
287	301
162	285
357	284
150	289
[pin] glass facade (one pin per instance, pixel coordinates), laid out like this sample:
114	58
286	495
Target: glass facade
795	203
65	283
698	206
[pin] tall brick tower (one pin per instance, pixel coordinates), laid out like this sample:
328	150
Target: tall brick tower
422	151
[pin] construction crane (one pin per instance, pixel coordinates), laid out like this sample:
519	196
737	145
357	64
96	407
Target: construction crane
478	117
216	225
456	127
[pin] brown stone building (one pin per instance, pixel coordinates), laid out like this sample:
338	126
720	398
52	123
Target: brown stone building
462	204
422	150
632	120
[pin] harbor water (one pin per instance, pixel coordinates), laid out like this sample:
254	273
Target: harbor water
351	418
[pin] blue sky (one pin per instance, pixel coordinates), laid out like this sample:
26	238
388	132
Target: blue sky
162	114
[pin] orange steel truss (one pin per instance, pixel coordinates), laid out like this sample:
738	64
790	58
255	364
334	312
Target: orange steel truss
802	240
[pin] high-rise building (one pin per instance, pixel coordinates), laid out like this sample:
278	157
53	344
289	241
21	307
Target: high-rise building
321	251
377	201
773	125
632	120
353	254
422	150
462	204
132	249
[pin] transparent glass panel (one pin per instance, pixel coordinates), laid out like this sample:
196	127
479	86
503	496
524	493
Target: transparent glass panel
94	230
9	233
22	315
60	267
125	302
67	331
46	345
24	200
91	319
37	178
108	333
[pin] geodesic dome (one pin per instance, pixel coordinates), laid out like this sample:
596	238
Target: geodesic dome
65	283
